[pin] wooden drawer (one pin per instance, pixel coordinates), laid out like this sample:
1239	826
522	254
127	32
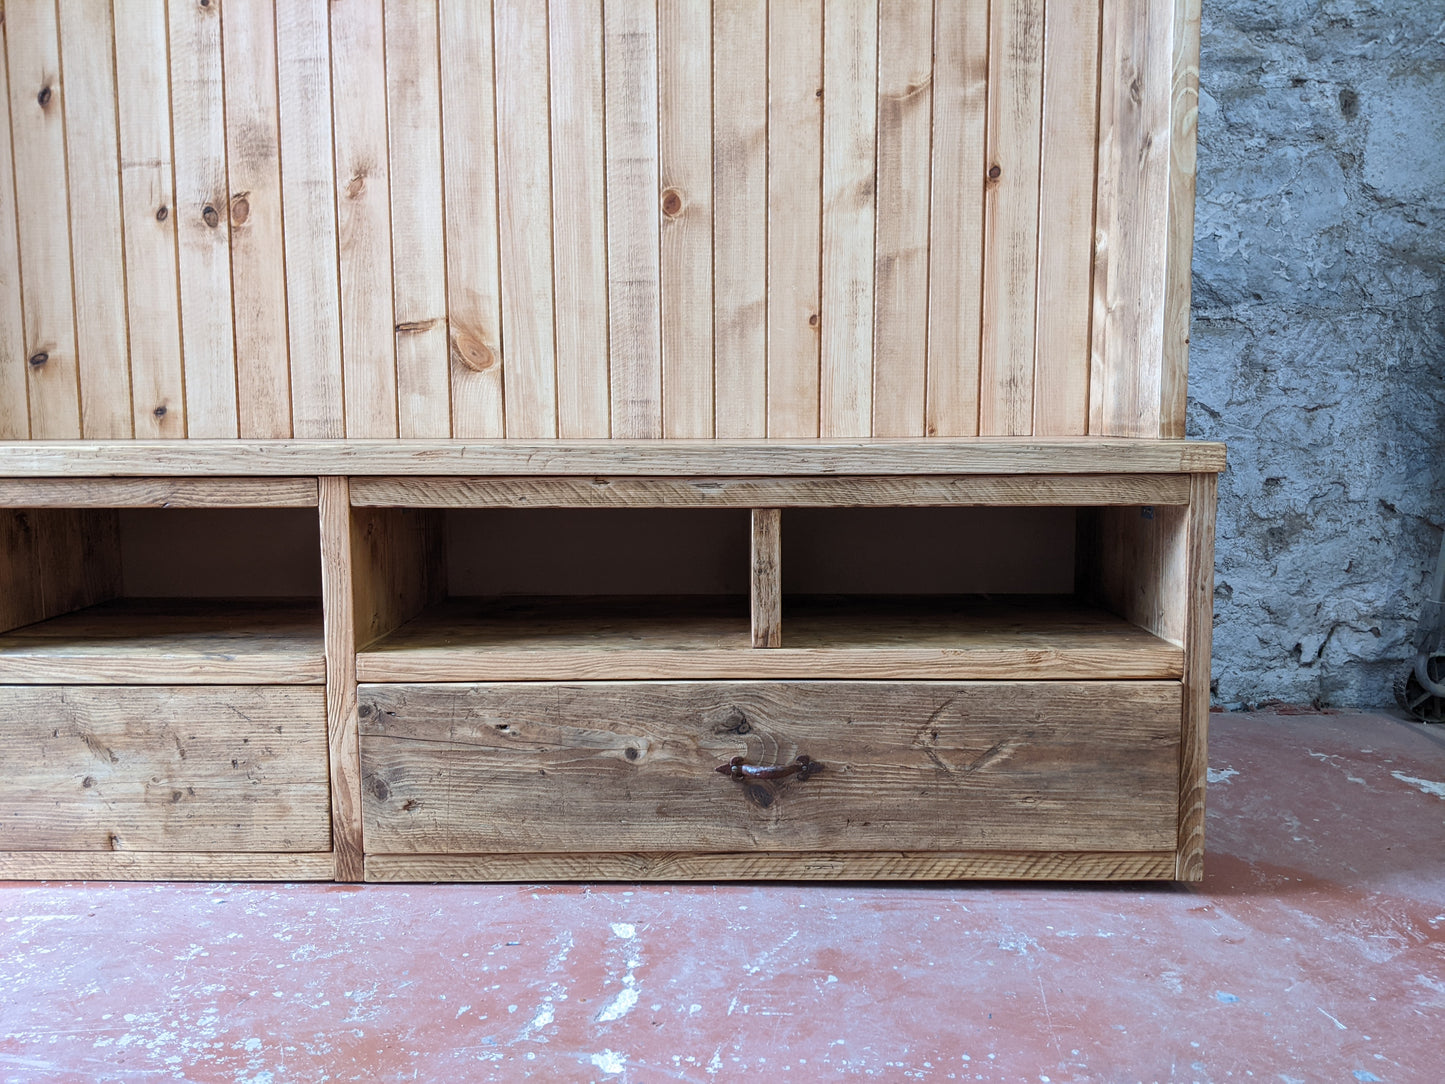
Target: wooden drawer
592	767
164	769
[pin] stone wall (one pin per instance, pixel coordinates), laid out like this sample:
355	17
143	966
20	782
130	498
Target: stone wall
1318	343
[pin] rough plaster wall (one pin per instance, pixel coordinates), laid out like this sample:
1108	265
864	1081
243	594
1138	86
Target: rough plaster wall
1318	345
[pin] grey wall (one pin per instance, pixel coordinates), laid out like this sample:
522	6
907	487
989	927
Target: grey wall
1318	348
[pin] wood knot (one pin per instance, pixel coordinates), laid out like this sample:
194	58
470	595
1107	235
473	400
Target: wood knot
37	360
43	97
209	216
379	790
160	411
994	173
632	752
356	186
813	320
205	3
470	352
240	208
671	202
88	781
162	213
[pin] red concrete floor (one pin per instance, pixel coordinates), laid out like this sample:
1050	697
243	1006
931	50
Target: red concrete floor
1313	951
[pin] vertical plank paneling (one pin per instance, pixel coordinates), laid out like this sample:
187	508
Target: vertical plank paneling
363	216
795	193
955	250
740	224
685	140
1066	219
258	266
418	247
850	125
308	201
905	115
579	221
87	50
633	272
469	166
47	303
525	212
1011	218
1183	125
202	231
14	402
148	202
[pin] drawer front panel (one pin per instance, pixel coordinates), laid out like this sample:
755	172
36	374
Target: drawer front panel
164	768
900	766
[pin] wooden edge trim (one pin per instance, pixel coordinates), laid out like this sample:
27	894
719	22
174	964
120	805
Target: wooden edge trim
945	866
128	669
1194	735
767	573
158	866
159	492
1183	170
343	742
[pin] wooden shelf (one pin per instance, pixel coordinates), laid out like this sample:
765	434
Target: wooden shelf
959	638
171	641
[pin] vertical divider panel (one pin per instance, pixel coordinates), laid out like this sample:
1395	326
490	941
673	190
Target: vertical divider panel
795	196
1011	218
14	401
158	395
685	138
87	49
37	123
905	116
1193	747
634	273
55	560
850	128
258	265
418	245
767	577
202	226
363	217
469	171
740	224
1183	168
524	192
579	219
343	743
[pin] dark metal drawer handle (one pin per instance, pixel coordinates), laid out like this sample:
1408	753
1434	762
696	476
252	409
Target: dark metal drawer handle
803	767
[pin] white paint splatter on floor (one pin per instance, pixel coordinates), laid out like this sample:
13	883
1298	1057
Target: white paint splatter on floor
1424	786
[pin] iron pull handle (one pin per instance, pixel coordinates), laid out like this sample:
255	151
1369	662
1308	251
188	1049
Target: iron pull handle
802	767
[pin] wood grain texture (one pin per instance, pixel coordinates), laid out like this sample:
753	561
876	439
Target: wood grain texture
579	221
159	493
14	400
160	866
850	129
1199	632
164	769
418	251
37	132
87	42
900	259
258	264
1134	561
203	236
795	193
53	561
339	635
740	218
806	866
933	766
634	272
397	568
363	217
767	577
1183	169
469	167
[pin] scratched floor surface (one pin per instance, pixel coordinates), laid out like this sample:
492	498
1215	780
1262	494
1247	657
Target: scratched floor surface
1313	951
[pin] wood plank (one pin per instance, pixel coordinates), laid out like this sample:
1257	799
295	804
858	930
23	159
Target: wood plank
524	189
204	244
1133	560
794	198
807	866
363	217
164	769
148	203
905	130
852	492
339	632
152	866
767	577
485	767
14	399
413	91
159	493
308	200
850	125
398	569
1066	218
740	225
955	251
1183	169
469	168
579	224
1194	740
55	560
685	154
92	149
37	132
1011	218
634	272
258	265
662	458
957	638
